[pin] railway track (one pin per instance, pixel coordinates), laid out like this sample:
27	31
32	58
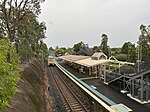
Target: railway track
71	102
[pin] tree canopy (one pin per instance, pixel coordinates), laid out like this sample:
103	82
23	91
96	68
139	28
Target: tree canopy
104	45
21	38
9	74
144	42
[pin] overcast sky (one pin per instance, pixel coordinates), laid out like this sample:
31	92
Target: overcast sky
71	21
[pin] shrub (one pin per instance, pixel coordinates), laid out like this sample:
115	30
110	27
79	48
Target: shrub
9	73
121	57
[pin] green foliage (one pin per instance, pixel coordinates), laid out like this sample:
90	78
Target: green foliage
82	49
19	24
104	47
125	47
51	49
115	51
144	42
70	51
129	49
77	47
59	52
30	37
121	57
132	54
95	49
9	74
13	12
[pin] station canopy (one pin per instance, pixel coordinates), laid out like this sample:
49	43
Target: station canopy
97	58
90	62
72	58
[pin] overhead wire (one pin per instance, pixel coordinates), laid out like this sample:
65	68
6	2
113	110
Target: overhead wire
123	33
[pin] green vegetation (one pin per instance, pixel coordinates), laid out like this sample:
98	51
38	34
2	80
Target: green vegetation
104	47
77	47
144	42
59	52
9	74
19	25
128	51
21	35
121	57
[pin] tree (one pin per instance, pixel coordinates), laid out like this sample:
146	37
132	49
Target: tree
104	47
12	14
122	57
129	50
77	47
70	51
95	49
132	53
57	47
59	52
30	37
32	33
85	50
63	49
144	42
115	51
51	49
125	47
9	73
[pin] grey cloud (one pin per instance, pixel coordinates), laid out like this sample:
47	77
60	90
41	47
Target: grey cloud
70	21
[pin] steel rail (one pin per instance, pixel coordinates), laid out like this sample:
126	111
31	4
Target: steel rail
74	104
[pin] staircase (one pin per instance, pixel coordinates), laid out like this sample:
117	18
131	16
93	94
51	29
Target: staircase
115	79
140	74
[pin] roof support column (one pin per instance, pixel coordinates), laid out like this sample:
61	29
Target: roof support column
124	84
89	70
119	67
142	88
104	73
133	87
147	89
96	71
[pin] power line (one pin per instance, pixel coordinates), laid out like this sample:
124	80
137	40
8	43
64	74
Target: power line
124	33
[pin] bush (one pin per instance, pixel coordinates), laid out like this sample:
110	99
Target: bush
121	57
9	74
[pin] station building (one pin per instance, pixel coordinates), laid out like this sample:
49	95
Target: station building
108	70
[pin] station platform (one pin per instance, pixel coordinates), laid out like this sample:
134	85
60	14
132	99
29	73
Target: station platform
109	92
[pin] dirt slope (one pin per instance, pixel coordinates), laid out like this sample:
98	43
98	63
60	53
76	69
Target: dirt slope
32	92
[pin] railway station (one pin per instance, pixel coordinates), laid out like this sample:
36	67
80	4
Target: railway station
105	75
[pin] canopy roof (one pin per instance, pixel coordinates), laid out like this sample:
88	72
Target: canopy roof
89	62
98	55
73	58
